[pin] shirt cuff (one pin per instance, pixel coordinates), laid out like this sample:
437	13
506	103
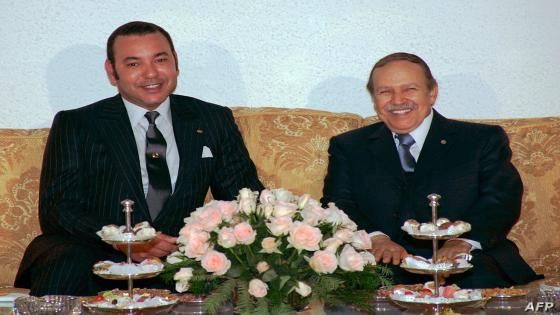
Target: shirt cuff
474	244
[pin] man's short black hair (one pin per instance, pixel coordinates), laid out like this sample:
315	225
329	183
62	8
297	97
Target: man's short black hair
136	28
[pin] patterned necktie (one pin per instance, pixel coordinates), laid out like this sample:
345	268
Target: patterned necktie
407	160
159	187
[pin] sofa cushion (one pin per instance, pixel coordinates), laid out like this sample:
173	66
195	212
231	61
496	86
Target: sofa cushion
289	146
21	152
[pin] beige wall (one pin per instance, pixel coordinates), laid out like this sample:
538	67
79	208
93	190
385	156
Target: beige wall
493	59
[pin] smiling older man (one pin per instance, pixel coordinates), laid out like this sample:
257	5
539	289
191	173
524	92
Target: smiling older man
381	175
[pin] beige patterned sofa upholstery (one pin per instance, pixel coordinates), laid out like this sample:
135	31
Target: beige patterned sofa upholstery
289	147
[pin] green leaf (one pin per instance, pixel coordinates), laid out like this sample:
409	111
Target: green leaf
269	275
262	306
234	271
244	301
283	280
216	300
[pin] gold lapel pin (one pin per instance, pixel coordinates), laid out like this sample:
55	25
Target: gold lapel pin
443	141
199	131
155	155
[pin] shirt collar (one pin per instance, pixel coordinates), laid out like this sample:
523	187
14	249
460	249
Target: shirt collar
421	132
136	113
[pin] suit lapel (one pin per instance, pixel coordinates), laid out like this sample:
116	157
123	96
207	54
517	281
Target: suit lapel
117	133
189	135
384	153
438	141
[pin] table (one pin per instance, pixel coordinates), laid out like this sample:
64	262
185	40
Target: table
512	306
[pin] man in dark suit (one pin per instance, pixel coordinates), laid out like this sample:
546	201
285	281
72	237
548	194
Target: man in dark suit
381	175
161	150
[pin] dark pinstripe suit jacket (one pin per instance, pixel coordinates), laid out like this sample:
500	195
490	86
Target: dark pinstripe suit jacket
91	164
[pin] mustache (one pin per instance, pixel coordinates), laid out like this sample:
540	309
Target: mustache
396	107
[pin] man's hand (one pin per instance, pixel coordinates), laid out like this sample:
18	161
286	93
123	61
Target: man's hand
386	250
452	248
162	245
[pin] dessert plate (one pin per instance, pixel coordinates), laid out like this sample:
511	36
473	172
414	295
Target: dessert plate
143	299
121	271
434	302
115	235
435	270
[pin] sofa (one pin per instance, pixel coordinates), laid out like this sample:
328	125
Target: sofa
289	148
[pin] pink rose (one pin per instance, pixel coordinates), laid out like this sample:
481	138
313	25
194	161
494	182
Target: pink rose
247	200
209	216
283	208
244	233
181	286
262	266
311	217
228	209
270	245
283	194
303	200
184	274
215	262
226	237
304	236
192	227
265	210
303	289
344	235
197	245
257	288
175	257
350	260
361	240
333	215
368	258
267	197
310	203
280	225
332	244
323	261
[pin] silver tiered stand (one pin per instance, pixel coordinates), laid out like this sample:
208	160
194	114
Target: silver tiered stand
437	273
128	240
434	198
434	203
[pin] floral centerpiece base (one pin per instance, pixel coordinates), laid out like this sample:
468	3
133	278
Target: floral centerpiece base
274	253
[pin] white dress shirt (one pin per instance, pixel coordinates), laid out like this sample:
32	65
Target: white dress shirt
419	134
164	123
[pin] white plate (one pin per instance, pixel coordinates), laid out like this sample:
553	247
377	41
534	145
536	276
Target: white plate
158	300
439	301
431	271
123	271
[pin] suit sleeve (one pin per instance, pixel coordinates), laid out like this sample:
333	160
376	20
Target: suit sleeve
338	187
500	191
235	169
61	197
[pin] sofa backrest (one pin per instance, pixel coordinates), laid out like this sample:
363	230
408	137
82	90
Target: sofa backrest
289	147
21	153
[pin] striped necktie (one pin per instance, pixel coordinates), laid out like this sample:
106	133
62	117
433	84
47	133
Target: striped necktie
159	188
407	160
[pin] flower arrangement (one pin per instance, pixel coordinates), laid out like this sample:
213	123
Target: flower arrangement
274	253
